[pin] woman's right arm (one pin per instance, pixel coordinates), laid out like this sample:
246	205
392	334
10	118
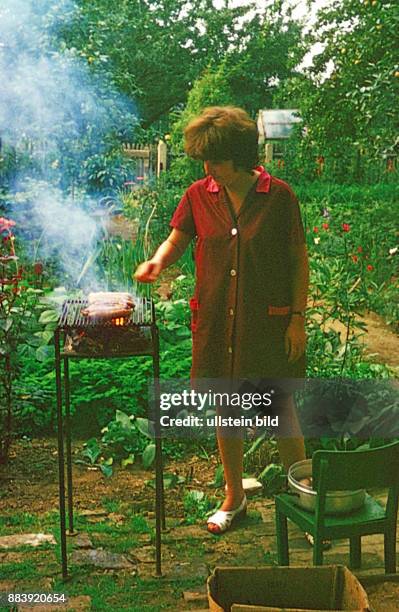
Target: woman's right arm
167	253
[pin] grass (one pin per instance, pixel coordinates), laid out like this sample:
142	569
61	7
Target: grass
38	569
127	592
25	570
120	590
24	522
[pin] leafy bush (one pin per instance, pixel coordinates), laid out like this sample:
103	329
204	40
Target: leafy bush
196	506
121	442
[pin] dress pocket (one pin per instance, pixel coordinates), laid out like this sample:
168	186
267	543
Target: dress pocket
194	307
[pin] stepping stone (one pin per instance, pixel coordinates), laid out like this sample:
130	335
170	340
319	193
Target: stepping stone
26	539
99	512
101	558
186	569
196	596
144	538
144	554
185	531
251	486
116	518
82	540
7	587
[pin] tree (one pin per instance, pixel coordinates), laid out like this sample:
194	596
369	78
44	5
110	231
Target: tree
349	100
153	50
249	75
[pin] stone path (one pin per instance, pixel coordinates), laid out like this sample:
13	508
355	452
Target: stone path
188	551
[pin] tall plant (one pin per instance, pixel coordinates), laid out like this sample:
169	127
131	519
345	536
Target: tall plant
17	322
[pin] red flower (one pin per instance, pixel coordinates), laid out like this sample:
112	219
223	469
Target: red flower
38	268
355	258
360	249
346	227
370	267
5	224
316	229
325	226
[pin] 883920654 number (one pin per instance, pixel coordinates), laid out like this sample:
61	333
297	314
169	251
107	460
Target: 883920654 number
12	599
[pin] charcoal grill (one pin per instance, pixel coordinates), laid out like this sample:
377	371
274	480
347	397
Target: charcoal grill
80	337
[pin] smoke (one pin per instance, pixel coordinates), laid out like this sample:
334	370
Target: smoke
69	234
46	89
53	105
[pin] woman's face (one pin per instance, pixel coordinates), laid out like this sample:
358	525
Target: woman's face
223	172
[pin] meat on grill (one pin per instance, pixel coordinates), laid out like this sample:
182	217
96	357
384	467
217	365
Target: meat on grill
108	305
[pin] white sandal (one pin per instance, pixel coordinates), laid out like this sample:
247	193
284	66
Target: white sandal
224	518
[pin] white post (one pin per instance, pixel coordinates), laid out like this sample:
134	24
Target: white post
268	152
162	152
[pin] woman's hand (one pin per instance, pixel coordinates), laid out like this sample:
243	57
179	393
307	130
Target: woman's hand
167	253
295	339
148	271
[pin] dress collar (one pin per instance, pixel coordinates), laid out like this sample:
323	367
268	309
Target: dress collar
262	185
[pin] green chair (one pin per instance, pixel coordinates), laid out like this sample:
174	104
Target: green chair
345	471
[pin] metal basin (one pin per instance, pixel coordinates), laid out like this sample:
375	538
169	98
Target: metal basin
337	502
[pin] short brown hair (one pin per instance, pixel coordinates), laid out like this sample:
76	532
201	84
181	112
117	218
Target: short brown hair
222	133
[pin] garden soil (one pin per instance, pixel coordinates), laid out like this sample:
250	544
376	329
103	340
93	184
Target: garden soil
380	341
29	484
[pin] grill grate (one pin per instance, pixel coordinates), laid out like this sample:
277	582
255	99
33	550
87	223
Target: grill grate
71	317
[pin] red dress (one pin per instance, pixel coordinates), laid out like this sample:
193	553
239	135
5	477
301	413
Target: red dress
242	301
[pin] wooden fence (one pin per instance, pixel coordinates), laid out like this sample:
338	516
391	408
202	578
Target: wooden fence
150	159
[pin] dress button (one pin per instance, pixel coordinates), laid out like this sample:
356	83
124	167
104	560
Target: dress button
234	231
233	272
231	312
230	349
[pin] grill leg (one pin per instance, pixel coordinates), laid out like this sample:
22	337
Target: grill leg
159	491
61	474
68	446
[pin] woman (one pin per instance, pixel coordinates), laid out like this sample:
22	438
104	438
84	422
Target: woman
251	277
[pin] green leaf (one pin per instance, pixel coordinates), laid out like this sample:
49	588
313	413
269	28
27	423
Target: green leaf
44	352
196	496
106	470
128	461
50	327
123	419
219	477
148	455
170	480
145	427
44	336
92	450
48	316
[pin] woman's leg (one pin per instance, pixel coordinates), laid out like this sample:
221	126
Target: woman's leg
231	448
292	446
